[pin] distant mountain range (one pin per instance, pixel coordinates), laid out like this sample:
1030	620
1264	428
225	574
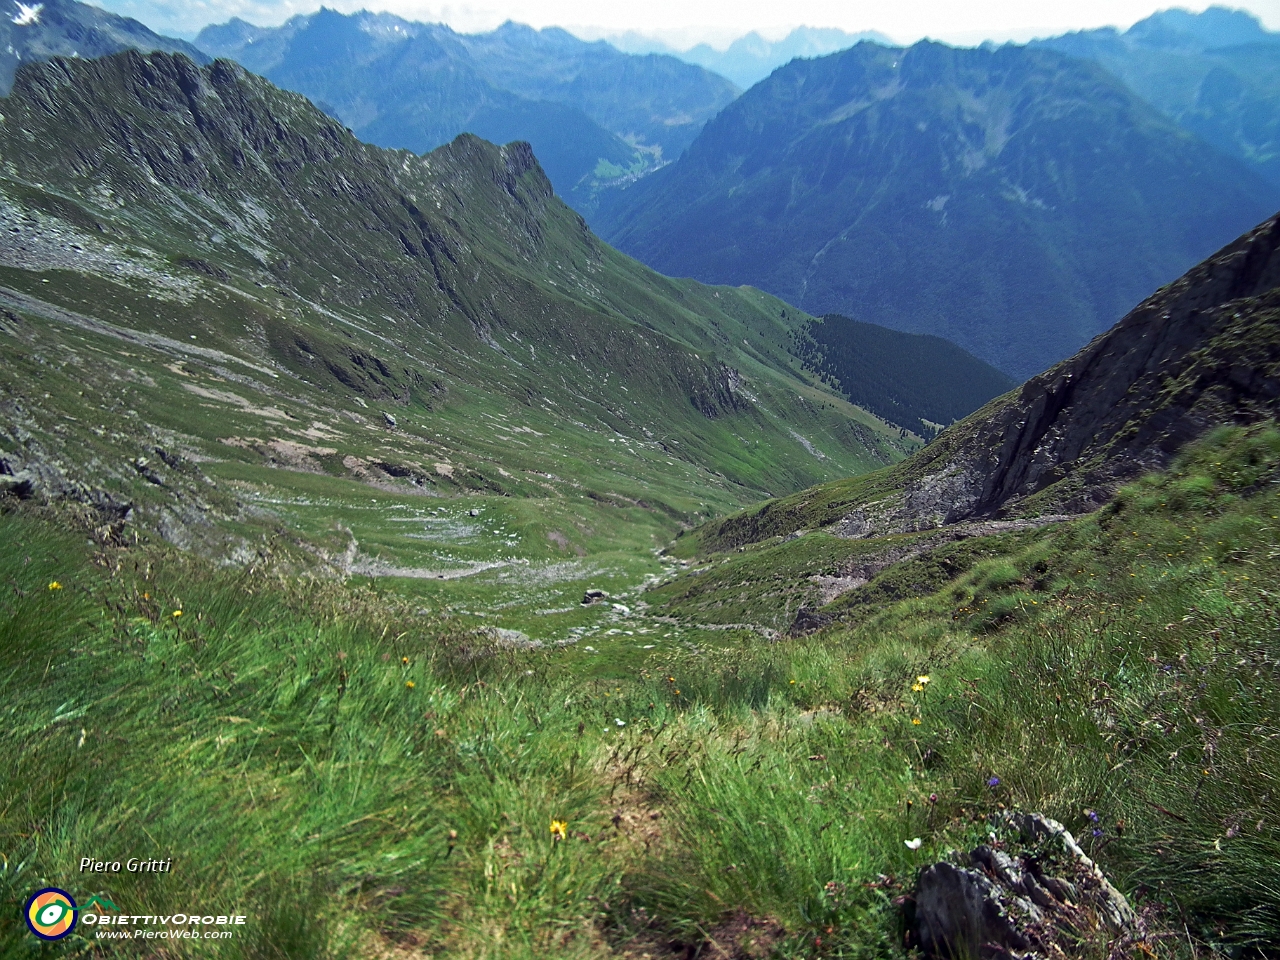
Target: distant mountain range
1216	73
1013	200
751	57
593	114
64	28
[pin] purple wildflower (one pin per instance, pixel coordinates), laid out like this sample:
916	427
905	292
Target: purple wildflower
993	782
1092	815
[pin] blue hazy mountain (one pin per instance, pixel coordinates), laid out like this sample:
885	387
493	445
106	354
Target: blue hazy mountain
653	100
594	115
751	58
64	28
1015	201
1216	73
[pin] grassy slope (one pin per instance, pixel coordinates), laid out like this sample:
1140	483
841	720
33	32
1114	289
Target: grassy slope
582	403
293	742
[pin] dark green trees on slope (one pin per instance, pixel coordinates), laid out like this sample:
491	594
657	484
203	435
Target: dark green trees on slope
1014	201
921	382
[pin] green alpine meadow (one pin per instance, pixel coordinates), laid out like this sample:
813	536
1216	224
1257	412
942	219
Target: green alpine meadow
391	569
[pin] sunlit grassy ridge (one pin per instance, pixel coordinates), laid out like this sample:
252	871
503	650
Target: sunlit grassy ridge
302	742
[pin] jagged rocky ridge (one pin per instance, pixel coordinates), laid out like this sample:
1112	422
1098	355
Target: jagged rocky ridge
1202	351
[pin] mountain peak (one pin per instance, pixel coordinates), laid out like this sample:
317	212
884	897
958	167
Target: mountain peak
66	28
1215	28
988	196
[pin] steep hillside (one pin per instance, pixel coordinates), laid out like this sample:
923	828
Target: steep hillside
1116	673
283	295
594	115
921	382
1201	352
66	28
1215	73
1016	202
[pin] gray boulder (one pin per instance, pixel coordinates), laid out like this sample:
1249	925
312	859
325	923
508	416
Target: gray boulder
1032	897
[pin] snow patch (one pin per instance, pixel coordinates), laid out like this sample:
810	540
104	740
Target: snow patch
28	15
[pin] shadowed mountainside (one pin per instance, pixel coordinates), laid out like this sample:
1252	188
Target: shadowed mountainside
920	382
1200	352
1014	201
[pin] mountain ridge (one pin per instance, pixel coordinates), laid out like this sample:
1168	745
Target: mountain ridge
67	28
1198	353
369	283
1014	201
595	116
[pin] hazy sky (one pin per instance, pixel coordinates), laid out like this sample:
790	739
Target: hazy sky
685	22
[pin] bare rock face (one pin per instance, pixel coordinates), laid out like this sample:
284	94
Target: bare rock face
28	478
1036	896
1199	352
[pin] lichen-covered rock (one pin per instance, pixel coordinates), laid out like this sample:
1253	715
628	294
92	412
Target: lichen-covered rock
1034	895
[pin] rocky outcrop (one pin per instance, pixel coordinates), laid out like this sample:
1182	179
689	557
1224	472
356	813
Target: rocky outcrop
27	478
1029	896
1203	351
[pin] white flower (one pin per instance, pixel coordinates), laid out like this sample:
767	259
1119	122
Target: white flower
913	844
619	721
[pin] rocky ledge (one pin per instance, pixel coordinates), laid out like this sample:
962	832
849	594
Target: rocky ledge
1032	896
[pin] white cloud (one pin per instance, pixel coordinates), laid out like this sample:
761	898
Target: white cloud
905	20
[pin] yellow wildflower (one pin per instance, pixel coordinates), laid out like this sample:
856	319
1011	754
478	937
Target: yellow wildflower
176	614
917	687
409	684
55	585
922	679
915	721
405	661
559	830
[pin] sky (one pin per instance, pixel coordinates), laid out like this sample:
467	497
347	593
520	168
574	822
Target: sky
683	23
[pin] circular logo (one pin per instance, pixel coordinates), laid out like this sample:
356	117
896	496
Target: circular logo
51	913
